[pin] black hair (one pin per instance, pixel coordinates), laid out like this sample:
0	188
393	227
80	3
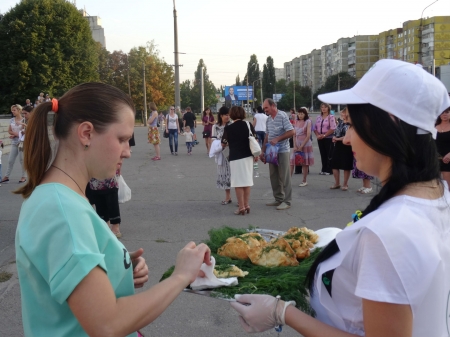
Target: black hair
222	111
414	159
260	109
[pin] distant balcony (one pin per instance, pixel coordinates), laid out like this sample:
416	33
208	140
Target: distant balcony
429	30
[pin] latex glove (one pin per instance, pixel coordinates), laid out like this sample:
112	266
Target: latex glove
259	313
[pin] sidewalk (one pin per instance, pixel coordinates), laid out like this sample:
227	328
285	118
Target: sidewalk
174	201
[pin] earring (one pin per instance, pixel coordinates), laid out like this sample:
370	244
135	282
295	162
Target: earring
86	146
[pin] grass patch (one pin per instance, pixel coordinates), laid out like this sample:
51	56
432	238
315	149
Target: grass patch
161	240
5	276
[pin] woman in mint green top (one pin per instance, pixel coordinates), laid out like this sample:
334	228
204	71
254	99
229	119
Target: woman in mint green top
76	278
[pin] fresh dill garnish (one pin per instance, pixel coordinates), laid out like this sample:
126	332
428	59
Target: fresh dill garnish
288	282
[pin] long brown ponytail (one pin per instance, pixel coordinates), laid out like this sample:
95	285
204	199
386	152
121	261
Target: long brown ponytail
97	103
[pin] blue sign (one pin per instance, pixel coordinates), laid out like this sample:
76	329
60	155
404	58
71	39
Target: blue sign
238	93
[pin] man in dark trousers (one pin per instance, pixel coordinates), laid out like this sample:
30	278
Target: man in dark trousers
190	120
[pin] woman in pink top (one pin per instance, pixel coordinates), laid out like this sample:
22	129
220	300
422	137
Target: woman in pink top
324	129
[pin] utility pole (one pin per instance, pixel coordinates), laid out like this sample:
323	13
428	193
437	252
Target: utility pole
261	92
294	92
339	89
202	95
145	95
177	66
128	73
248	105
420	33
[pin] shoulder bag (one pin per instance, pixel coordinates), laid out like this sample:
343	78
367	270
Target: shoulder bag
254	145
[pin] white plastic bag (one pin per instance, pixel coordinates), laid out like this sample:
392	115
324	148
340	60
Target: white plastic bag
124	191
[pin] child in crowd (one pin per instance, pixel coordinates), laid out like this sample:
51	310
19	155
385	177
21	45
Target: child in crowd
188	134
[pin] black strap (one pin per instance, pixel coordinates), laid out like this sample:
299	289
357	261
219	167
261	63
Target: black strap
327	280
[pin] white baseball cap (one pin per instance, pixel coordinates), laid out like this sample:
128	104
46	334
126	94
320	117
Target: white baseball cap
401	89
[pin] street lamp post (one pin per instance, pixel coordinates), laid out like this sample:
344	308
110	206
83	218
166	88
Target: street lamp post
253	85
420	32
128	74
176	66
293	82
145	95
202	94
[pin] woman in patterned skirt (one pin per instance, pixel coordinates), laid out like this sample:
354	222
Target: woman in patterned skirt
223	168
302	143
153	132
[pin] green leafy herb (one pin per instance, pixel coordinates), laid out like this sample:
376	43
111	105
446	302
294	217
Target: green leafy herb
288	282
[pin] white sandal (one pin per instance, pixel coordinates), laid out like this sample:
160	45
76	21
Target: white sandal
367	190
360	189
303	184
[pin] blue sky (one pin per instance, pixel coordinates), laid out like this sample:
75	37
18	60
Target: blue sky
226	33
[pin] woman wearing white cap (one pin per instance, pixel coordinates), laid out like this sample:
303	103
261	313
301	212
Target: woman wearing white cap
388	274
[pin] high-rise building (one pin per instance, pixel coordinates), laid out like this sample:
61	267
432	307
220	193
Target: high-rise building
326	61
435	42
279	73
95	23
388	43
340	56
362	54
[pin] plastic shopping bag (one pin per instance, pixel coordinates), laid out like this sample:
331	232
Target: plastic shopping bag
272	154
124	191
299	158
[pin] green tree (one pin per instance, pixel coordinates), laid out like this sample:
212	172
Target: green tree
346	81
253	74
115	71
238	80
158	77
302	96
209	89
185	94
268	78
46	46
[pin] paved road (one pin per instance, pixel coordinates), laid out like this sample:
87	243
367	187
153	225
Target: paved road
175	201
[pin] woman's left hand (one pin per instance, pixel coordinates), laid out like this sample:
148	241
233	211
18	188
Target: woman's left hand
259	313
140	268
255	159
446	159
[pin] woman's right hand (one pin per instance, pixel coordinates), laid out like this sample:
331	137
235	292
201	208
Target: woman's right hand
189	261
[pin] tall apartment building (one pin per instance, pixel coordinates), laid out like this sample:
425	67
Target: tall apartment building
418	41
326	62
314	71
362	54
340	56
279	73
95	23
388	43
435	42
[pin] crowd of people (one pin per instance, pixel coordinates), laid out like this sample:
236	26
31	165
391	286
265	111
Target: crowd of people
362	282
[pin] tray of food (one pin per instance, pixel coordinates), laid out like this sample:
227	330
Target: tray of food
264	261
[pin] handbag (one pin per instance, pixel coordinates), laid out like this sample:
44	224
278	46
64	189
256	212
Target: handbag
299	158
20	146
124	191
166	134
206	134
254	145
